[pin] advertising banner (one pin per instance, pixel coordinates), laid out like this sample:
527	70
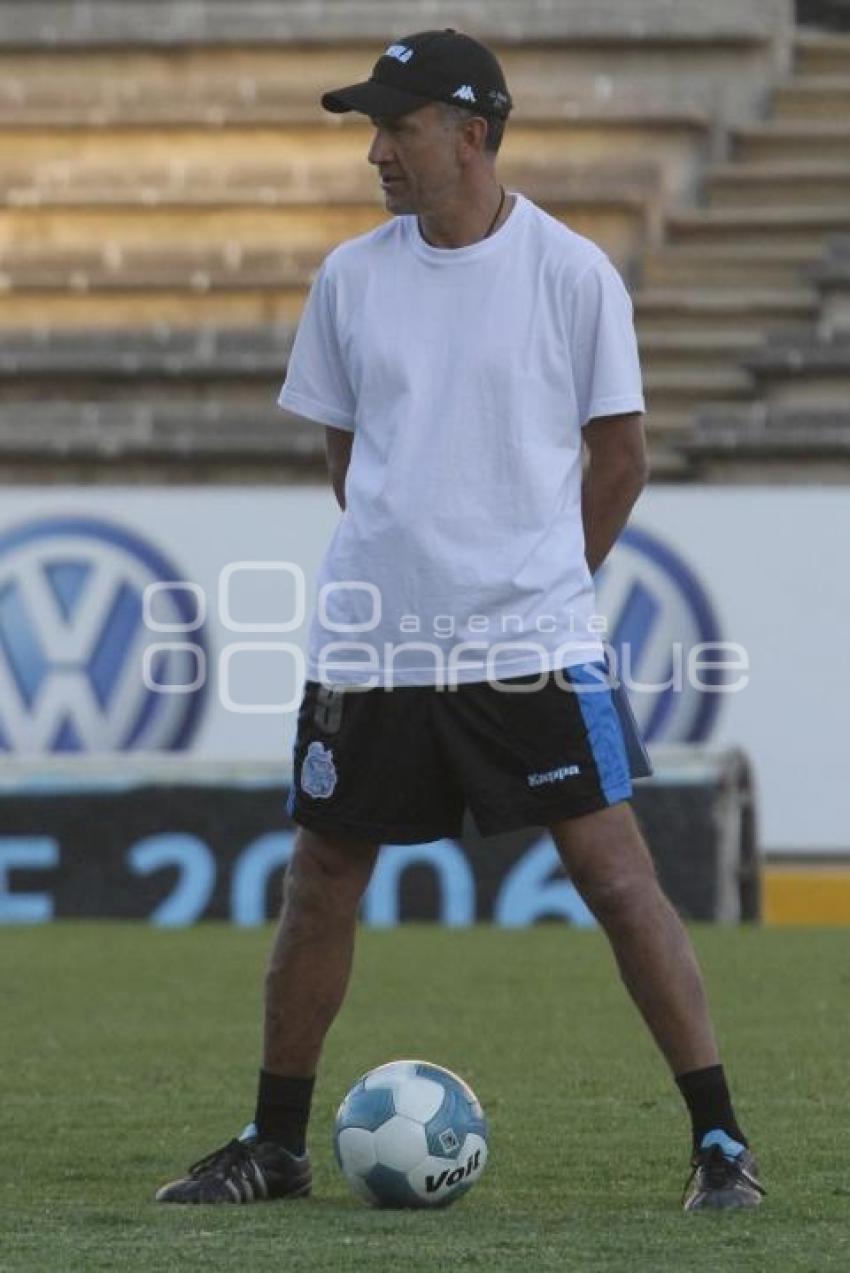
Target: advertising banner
163	620
174	844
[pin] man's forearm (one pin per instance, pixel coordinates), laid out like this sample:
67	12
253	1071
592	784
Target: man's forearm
608	495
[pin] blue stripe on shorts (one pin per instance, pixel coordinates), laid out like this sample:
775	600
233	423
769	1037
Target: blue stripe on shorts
604	732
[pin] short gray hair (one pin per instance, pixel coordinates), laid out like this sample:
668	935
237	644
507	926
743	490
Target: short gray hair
457	115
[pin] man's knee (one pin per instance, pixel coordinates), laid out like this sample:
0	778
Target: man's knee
608	861
619	898
325	872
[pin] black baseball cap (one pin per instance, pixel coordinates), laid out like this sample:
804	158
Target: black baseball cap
432	66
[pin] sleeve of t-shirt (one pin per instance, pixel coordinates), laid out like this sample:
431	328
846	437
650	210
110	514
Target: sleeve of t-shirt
317	385
606	366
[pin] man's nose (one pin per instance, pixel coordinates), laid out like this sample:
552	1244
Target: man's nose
380	151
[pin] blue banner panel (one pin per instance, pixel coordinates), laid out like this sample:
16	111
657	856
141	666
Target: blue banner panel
177	854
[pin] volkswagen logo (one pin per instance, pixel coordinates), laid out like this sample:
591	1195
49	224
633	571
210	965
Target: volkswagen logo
657	611
73	641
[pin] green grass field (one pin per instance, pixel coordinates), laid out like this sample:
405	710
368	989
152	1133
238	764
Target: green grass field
127	1052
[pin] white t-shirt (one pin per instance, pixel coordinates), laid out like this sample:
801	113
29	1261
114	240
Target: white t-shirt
466	376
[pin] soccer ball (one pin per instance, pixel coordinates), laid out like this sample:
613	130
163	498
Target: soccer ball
410	1134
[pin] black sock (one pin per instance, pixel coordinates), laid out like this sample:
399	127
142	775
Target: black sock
283	1108
709	1103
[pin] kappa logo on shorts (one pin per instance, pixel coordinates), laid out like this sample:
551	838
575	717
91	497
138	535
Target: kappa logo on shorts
318	772
554	775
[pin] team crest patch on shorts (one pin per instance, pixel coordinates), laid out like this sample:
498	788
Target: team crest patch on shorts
318	772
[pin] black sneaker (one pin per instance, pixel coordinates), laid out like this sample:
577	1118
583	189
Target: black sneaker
724	1176
244	1170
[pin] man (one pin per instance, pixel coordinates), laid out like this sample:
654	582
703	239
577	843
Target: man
458	357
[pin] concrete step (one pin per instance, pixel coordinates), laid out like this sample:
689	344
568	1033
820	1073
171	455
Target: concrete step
832	278
667	463
755	266
304	163
820	139
161	353
665	310
114	268
738	227
306	227
245	394
268	22
236	371
668	425
104	311
803	373
681	67
212	302
615	222
792	183
174	431
685	388
544	123
745	437
807	356
181	184
241	81
196	441
695	351
813	97
188	266
666	430
669	428
234	100
819	53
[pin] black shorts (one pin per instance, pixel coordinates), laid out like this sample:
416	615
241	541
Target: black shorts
400	766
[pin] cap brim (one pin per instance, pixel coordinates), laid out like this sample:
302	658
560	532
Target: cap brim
373	99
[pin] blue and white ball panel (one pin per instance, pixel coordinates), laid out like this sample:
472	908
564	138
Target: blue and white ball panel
356	1150
419	1098
437	1182
392	1074
365	1107
400	1143
388	1188
456	1117
425	1069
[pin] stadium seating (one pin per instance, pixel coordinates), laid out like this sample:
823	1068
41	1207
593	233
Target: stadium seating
169	184
801	413
742	298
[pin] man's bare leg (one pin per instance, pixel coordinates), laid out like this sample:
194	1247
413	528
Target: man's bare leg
610	865
310	961
306	980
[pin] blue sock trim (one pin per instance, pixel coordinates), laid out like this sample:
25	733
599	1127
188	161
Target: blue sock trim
729	1147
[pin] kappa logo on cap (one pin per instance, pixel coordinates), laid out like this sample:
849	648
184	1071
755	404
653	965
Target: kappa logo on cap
400	52
465	93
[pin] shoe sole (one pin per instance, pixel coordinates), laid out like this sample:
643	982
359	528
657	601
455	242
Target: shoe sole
302	1192
737	1205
